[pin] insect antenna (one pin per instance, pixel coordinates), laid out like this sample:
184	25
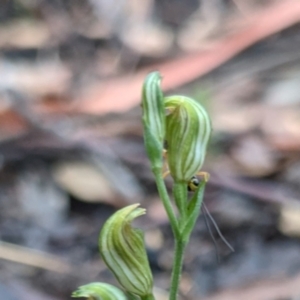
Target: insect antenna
216	227
211	234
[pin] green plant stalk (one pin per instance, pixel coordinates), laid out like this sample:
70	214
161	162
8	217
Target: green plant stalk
177	268
181	238
164	196
180	197
187	221
180	241
148	297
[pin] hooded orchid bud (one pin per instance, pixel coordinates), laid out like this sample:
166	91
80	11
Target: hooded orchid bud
99	291
122	248
188	129
153	118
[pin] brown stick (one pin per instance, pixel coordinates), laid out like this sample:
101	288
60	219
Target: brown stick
123	93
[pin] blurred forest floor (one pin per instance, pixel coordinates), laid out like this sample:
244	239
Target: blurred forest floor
71	146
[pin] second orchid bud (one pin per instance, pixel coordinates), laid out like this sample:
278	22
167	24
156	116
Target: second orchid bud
188	130
123	250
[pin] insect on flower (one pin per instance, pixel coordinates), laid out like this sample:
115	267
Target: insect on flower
192	185
194	182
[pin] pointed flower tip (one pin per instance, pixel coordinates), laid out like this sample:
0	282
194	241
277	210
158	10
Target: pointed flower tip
99	290
122	248
153	117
